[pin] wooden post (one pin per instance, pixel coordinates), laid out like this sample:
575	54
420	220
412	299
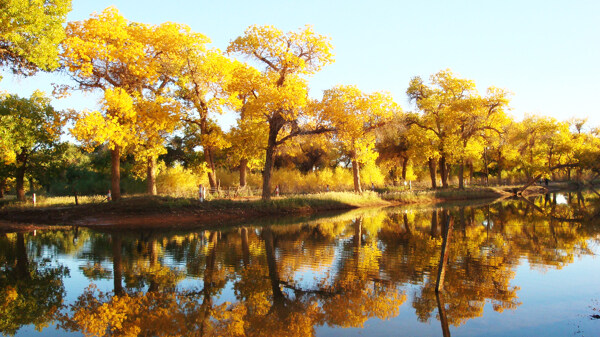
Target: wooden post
448	223
443	317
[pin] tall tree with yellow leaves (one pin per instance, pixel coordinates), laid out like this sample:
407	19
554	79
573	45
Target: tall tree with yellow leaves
130	63
355	116
203	87
280	98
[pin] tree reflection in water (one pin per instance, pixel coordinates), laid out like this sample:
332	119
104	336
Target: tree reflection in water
249	281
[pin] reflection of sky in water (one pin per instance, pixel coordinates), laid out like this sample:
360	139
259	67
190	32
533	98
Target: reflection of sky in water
561	199
554	301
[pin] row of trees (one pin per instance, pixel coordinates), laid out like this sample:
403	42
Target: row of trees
162	80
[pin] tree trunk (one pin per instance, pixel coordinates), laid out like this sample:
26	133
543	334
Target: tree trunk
115	179
154	284
404	166
31	186
356	176
151	176
278	297
20	175
461	175
499	176
434	223
19	181
209	283
212	174
470	173
275	124
444	171
2	187
117	264
432	172
22	269
243	172
245	247
358	231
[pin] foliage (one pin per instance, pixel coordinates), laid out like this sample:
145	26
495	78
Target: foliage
180	182
30	31
279	93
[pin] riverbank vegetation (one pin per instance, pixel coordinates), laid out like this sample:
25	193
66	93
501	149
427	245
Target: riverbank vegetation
164	88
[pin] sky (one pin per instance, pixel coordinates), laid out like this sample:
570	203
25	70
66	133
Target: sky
546	53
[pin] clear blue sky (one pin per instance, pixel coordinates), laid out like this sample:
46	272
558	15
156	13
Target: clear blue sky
545	52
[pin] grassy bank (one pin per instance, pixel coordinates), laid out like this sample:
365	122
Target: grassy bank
450	194
63	210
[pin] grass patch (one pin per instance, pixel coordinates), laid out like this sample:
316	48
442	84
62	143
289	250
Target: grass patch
43	201
144	203
432	196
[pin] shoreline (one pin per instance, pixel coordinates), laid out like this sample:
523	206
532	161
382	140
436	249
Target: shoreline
166	212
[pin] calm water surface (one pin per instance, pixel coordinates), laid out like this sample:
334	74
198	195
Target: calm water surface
513	268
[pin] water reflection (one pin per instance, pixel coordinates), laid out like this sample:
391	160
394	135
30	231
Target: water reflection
291	280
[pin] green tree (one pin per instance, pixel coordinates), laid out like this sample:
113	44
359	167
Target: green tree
34	128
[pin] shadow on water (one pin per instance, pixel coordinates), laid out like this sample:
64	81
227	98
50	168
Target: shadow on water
405	266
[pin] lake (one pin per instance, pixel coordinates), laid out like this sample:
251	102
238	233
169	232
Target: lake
522	267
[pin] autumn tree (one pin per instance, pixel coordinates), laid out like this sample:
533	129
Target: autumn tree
394	148
280	99
203	88
454	112
130	63
247	141
539	141
33	127
355	116
480	116
30	31
438	104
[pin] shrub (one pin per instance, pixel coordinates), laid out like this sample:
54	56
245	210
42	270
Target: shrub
179	182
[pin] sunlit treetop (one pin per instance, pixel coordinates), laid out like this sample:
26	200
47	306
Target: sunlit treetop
30	31
304	51
107	50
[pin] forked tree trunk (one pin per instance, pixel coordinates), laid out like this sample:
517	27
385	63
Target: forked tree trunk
212	174
444	171
275	124
267	172
243	172
151	176
404	167
115	173
432	173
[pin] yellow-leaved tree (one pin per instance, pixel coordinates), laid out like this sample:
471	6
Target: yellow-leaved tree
355	116
203	87
132	64
452	110
279	97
